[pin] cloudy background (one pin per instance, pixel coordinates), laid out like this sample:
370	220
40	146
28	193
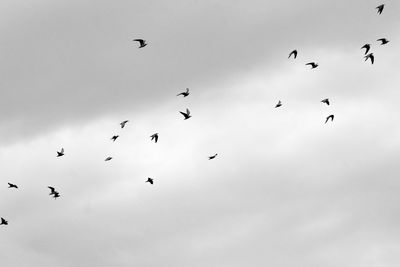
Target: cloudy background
285	190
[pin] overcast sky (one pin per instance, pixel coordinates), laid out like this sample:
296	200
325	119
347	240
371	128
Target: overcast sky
285	190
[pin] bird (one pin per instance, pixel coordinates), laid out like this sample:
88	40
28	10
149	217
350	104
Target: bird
114	137
142	42
294	53
61	153
326	101
371	57
10	185
3	221
123	124
52	190
312	64
108	159
329	117
279	104
186	115
367	47
380	8
56	195
154	137
383	41
212	157
185	94
150	180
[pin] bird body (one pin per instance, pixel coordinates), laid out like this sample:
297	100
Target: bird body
61	153
294	53
10	185
329	117
150	180
383	41
108	159
380	8
279	104
186	115
123	124
212	157
367	47
371	57
3	221
312	64
154	137
326	101
141	42
185	94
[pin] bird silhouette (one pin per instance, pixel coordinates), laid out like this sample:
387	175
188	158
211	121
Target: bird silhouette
61	153
367	47
149	180
383	41
294	53
10	185
154	137
108	159
141	42
186	115
371	57
312	64
52	190
3	221
326	101
185	94
123	124
212	157
279	104
329	117
114	137
380	8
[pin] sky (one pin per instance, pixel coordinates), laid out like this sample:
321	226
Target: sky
286	189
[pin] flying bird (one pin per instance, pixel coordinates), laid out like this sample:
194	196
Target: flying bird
149	180
61	153
10	185
186	115
380	8
279	104
383	41
154	137
326	101
371	57
108	159
294	53
3	221
329	117
185	94
114	137
367	47
212	157
123	123
141	42
52	190
312	64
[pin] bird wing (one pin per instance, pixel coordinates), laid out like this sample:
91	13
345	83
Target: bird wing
184	114
187	111
372	58
62	150
187	90
156	138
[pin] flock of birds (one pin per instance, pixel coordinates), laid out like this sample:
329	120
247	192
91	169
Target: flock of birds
154	137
